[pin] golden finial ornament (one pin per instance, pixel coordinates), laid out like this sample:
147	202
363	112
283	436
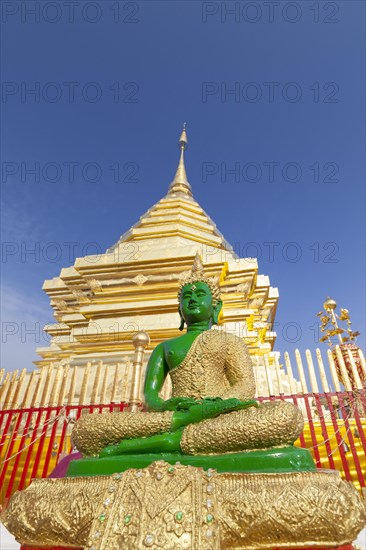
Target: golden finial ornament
183	140
329	304
180	182
197	275
330	327
329	324
140	342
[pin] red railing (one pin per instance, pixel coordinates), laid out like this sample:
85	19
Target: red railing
33	440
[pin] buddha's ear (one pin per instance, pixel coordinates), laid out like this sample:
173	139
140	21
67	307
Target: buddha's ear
216	312
181	326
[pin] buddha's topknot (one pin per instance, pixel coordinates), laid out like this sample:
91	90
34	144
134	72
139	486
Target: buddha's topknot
197	275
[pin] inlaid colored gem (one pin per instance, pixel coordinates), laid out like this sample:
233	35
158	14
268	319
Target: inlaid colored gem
117	476
179	516
209	518
159	475
97	535
149	540
107	502
138	473
127	519
102	518
209	503
171	470
210	488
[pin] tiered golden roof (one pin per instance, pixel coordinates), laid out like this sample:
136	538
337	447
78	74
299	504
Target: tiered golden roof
101	301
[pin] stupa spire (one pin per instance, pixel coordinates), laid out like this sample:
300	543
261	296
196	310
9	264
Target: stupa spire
180	182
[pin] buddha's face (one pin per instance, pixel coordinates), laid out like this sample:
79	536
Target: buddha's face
196	303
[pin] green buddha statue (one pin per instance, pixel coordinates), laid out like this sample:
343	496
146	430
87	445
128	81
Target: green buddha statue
212	409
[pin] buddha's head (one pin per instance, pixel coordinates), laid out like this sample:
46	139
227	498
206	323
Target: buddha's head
199	297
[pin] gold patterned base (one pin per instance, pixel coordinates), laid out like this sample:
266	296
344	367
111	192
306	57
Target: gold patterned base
170	507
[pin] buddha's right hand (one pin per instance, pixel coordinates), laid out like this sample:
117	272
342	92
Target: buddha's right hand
179	404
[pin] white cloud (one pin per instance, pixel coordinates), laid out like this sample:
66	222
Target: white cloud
22	322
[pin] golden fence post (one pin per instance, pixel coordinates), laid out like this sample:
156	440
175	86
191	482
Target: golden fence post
255	370
312	375
140	381
356	376
346	381
333	371
362	360
71	395
4	389
52	402
115	384
46	386
84	384
125	391
9	393
104	385
2	382
323	376
94	393
278	375
268	375
28	390
65	377
290	375
301	372
140	341
40	381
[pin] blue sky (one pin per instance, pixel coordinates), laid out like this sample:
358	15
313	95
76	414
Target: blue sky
273	92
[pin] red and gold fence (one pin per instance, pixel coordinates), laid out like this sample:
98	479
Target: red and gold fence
34	436
34	440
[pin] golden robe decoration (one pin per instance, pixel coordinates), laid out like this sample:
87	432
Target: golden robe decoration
217	365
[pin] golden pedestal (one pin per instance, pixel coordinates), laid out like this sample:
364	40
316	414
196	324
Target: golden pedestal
170	507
